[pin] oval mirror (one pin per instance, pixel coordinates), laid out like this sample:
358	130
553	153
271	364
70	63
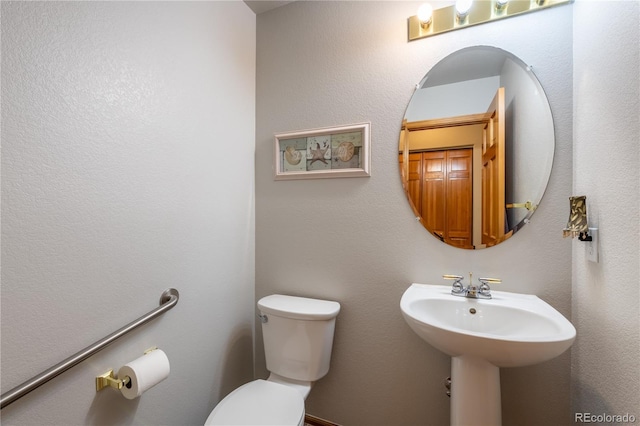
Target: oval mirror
476	147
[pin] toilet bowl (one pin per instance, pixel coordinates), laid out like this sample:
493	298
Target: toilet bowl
298	340
260	402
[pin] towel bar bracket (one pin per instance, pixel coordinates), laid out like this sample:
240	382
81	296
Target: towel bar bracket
167	294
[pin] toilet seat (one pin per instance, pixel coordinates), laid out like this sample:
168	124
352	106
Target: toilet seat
260	403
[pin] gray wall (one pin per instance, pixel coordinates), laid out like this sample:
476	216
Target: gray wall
606	297
355	240
127	168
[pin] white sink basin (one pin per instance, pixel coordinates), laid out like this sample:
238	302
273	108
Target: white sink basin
509	330
481	335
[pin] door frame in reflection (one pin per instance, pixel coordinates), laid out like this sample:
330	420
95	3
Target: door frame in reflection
482	133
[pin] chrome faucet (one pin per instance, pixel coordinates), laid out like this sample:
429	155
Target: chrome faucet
472	291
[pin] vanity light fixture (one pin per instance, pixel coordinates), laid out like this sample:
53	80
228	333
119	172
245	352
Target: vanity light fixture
466	13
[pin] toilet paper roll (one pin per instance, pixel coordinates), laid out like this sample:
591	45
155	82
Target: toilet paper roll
145	372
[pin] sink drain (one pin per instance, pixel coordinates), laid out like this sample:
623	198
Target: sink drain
472	311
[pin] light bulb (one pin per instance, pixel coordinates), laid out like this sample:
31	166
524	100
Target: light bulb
501	5
462	7
425	14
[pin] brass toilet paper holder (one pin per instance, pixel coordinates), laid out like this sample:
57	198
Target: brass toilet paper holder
108	379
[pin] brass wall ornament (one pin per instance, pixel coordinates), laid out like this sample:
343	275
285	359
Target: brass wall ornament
577	226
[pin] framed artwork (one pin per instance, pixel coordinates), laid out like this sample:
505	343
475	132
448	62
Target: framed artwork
329	152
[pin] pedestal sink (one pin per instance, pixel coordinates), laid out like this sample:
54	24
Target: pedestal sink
509	330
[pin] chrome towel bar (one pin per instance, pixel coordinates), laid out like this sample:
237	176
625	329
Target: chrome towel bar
168	300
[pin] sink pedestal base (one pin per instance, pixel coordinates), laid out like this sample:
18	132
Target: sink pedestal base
475	392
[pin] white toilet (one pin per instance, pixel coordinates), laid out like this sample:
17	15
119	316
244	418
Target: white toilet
298	338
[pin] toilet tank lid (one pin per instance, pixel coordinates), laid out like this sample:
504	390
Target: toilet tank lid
299	307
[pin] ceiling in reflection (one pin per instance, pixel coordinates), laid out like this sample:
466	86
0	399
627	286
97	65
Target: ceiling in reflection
259	6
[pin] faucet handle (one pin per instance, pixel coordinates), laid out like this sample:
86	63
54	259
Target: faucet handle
484	289
453	277
457	287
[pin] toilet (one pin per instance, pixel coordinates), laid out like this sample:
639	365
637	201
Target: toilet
298	339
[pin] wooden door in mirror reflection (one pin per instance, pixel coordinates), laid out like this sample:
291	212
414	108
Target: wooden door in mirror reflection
453	172
439	184
493	173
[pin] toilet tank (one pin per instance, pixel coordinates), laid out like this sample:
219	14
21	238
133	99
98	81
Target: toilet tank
298	335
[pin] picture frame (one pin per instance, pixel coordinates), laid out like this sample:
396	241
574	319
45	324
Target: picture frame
328	152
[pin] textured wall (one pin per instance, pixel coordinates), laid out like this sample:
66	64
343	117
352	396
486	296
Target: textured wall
606	295
355	240
127	168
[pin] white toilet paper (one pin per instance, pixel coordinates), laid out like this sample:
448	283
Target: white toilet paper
145	372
